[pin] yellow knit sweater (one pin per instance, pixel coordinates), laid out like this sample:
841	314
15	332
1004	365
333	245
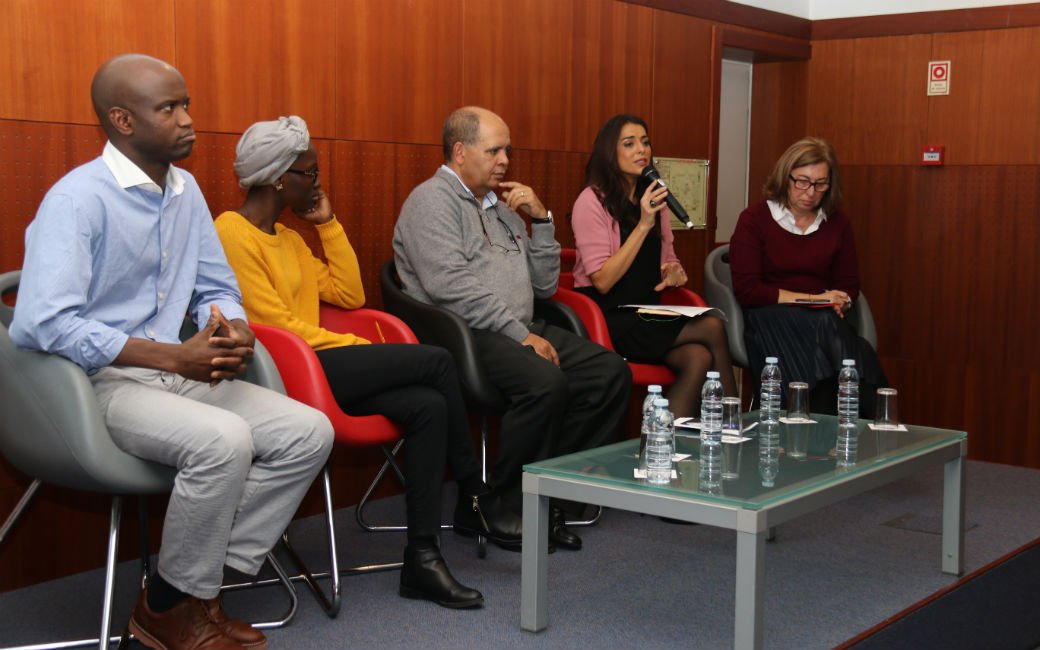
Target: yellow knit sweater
282	282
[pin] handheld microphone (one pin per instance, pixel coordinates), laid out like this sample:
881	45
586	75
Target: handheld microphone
673	203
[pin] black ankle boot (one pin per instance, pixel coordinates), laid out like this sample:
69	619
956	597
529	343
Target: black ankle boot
425	576
559	533
489	516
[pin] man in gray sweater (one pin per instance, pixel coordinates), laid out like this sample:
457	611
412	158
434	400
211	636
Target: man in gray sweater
462	247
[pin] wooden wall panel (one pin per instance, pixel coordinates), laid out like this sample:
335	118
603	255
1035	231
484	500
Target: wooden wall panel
829	109
53	47
33	156
682	73
868	98
549	75
954	119
889	105
929	22
778	114
251	60
370	182
397	69
610	68
1009	130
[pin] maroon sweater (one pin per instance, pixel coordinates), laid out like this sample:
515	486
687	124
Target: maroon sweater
765	258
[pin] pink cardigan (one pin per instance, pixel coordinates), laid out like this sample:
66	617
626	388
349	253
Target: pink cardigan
597	236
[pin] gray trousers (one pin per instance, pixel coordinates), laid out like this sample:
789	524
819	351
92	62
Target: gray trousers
245	457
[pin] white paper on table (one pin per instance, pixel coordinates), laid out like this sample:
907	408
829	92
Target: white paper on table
677	457
787	420
887	427
687	423
641	473
732	440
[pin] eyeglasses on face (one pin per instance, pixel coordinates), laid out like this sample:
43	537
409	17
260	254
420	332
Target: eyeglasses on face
313	173
804	184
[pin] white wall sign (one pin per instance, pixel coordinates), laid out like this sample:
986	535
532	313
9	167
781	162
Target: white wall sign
938	77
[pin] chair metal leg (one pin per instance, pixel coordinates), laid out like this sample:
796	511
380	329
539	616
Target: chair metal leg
146	551
19	508
330	604
282	579
481	540
106	608
110	571
359	511
587	522
105	637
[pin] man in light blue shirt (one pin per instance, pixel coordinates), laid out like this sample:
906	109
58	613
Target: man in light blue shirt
121	248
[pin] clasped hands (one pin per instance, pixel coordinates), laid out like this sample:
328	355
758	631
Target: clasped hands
218	352
841	299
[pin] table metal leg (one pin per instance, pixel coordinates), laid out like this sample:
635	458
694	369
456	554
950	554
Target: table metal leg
747	619
534	563
953	517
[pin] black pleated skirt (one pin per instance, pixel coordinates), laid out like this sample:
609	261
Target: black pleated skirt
811	344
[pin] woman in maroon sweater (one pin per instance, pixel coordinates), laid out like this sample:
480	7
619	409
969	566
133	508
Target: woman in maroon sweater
798	245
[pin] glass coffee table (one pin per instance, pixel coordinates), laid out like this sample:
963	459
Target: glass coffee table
781	472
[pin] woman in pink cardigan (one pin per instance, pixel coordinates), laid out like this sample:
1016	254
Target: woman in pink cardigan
625	256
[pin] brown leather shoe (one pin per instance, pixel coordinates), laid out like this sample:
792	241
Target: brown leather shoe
187	626
240	631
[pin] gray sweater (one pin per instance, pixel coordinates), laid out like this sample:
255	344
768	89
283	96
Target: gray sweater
445	259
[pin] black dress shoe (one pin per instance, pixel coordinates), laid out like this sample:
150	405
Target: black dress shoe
425	576
559	533
487	515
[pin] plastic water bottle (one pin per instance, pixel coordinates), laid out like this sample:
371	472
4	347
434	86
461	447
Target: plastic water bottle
653	393
847	446
848	393
711	408
710	476
769	409
769	453
660	443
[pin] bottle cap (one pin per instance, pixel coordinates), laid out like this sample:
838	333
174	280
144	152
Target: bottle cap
772	360
848	362
713	374
654	388
660	401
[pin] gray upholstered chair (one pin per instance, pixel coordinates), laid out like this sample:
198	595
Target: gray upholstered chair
718	291
52	430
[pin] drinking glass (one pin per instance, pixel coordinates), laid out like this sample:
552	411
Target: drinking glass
797	421
731	422
887	414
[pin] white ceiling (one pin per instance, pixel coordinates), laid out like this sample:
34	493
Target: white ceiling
824	9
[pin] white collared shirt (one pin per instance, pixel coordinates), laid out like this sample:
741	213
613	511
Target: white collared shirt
130	175
490	198
785	218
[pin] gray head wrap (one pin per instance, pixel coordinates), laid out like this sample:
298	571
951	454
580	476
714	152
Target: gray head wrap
267	149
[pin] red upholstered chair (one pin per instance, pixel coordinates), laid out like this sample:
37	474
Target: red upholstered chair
643	374
305	381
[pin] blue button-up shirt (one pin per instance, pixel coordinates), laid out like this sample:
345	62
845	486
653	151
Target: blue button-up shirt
111	256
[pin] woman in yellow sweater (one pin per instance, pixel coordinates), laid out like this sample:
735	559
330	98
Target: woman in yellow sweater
415	386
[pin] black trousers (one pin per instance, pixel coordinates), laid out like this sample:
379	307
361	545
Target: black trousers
415	386
552	410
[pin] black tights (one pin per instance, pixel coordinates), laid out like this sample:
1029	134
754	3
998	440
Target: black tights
701	346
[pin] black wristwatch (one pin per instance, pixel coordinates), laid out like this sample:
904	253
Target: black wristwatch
548	218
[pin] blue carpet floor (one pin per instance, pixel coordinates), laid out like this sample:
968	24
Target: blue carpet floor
638	583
